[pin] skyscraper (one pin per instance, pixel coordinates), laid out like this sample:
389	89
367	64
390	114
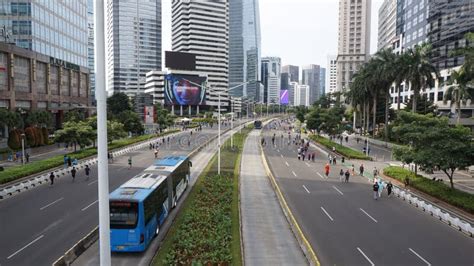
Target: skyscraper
353	39
293	72
202	28
310	77
387	24
271	74
244	47
133	43
322	81
54	28
331	79
90	47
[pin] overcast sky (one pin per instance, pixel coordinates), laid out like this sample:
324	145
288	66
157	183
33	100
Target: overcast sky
301	32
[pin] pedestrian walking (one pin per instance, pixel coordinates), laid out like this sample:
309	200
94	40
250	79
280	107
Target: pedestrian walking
389	188
74	162
313	156
151	146
27	156
69	162
376	172
156	153
130	162
73	173
353	169
326	169
343	159
262	141
88	171
381	185
375	188
368	151
347	174
341	175
51	178
361	169
303	155
65	160
334	160
330	159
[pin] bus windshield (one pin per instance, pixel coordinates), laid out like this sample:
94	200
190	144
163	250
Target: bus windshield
123	215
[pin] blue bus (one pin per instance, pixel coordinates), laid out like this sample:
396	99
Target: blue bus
257	124
139	207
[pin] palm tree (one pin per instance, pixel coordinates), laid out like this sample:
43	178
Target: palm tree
458	90
401	70
359	94
420	71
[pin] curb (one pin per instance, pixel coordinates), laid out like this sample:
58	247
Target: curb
304	243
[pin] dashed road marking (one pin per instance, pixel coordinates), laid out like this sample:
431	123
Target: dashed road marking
368	215
27	245
281	155
327	214
293	172
365	256
95	181
85	208
56	201
305	188
320	175
419	256
287	163
340	192
307	164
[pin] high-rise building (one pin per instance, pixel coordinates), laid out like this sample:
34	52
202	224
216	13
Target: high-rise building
353	39
412	25
90	47
271	74
293	72
322	81
449	21
54	28
302	95
387	24
133	44
331	79
202	28
292	87
244	48
311	77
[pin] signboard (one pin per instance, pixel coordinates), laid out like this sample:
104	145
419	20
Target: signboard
284	97
185	89
62	63
149	115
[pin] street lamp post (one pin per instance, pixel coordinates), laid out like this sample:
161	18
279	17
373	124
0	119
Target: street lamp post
23	149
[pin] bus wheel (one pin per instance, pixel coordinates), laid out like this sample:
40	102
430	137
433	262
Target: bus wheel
174	202
157	230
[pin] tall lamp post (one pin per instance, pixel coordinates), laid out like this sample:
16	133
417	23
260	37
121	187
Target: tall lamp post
23	148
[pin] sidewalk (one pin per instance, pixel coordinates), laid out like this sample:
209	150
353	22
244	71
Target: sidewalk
39	153
267	238
383	155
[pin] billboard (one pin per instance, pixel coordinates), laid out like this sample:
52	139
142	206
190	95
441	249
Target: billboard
284	97
184	89
180	60
149	115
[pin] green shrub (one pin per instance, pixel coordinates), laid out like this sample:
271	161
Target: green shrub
345	151
439	190
16	172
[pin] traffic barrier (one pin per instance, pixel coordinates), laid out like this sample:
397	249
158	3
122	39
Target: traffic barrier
446	217
437	213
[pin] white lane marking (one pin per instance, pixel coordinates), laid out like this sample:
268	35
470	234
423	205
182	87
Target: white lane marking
305	188
85	208
308	164
368	215
330	218
340	192
365	256
287	163
421	258
29	244
95	181
293	172
281	155
56	201
320	175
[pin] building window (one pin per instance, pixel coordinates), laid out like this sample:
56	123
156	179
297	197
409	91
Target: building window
53	80
65	83
22	74
3	71
41	78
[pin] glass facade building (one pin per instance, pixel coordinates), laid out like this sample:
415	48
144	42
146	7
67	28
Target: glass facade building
90	46
311	77
244	48
54	28
133	44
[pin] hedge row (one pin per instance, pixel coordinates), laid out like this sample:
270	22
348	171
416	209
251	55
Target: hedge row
207	229
16	172
439	190
346	151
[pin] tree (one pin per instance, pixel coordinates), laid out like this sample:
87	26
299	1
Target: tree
10	119
458	91
75	115
433	144
131	122
423	105
164	119
76	133
327	120
118	103
115	130
301	112
420	70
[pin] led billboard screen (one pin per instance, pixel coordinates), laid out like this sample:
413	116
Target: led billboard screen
180	60
184	90
284	97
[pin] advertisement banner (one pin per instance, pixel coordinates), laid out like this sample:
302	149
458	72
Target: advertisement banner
284	97
184	90
149	115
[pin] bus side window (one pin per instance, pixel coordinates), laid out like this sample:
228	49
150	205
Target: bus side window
190	164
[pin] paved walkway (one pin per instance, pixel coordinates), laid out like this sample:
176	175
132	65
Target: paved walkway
267	236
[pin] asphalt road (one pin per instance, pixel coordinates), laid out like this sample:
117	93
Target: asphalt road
346	226
39	226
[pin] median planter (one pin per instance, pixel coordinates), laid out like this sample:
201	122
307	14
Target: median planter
206	230
343	150
439	190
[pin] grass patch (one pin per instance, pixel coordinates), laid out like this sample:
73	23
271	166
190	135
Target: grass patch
16	172
206	230
346	151
439	190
